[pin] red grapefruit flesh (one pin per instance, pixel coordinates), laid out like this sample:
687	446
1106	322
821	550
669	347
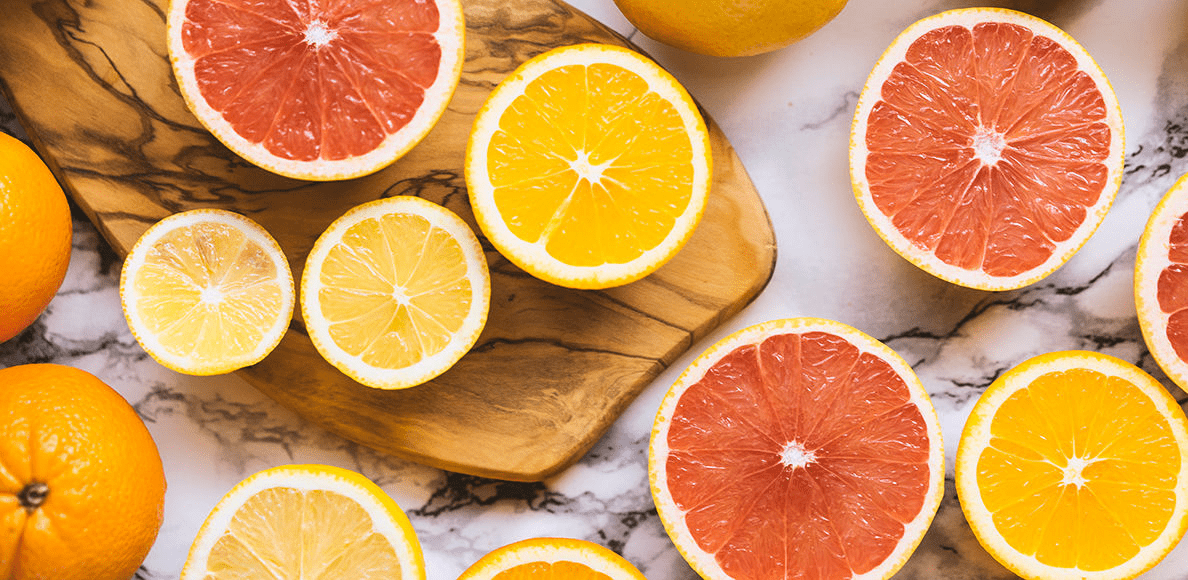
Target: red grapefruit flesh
987	147
797	448
1161	283
317	89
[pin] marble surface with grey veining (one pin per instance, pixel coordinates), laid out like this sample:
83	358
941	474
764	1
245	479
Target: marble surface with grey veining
788	115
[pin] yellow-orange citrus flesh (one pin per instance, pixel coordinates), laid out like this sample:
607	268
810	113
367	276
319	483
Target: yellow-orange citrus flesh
987	147
207	291
588	166
797	448
552	559
305	522
1161	283
35	236
1072	465
717	28
395	292
82	488
317	89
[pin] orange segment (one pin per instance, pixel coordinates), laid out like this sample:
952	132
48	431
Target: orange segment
1073	463
987	147
552	559
796	447
588	166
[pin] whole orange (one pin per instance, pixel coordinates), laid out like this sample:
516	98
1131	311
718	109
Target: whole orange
35	236
82	487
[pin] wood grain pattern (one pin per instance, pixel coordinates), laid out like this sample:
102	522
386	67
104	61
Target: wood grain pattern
91	82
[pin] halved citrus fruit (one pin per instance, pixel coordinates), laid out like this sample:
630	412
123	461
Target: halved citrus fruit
589	166
797	448
986	148
317	89
207	291
1072	465
552	559
395	292
305	521
1161	283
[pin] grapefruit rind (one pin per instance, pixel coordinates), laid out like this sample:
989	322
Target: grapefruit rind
532	257
450	37
431	366
1151	260
255	233
387	518
600	559
924	259
704	563
975	437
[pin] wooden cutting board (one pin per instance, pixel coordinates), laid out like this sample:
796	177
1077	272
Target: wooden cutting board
91	82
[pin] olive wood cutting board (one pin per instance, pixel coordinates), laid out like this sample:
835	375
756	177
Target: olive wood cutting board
91	83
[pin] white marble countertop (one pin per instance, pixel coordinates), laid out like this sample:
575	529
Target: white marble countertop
788	115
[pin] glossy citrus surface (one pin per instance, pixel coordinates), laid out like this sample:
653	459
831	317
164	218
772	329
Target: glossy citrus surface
589	166
308	522
207	292
1072	465
738	28
797	447
82	488
317	89
395	292
987	147
35	236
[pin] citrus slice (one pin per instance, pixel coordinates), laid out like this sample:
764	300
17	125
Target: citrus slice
305	521
986	148
588	167
1161	283
552	559
395	292
1072	465
797	448
207	291
317	89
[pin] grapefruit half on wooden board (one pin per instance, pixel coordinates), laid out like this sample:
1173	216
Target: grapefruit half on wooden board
317	90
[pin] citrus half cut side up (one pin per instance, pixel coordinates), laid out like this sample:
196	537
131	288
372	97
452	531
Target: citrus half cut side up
987	146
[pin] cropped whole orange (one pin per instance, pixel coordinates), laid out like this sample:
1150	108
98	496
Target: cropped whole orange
35	236
82	487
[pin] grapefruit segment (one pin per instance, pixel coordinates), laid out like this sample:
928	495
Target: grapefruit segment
986	147
1161	283
796	447
320	90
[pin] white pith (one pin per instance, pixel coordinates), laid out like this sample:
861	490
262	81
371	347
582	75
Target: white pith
925	259
430	366
129	295
449	36
976	436
531	254
674	520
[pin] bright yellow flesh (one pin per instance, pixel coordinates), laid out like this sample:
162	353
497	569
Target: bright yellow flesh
562	570
394	290
289	534
1124	496
591	165
207	292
